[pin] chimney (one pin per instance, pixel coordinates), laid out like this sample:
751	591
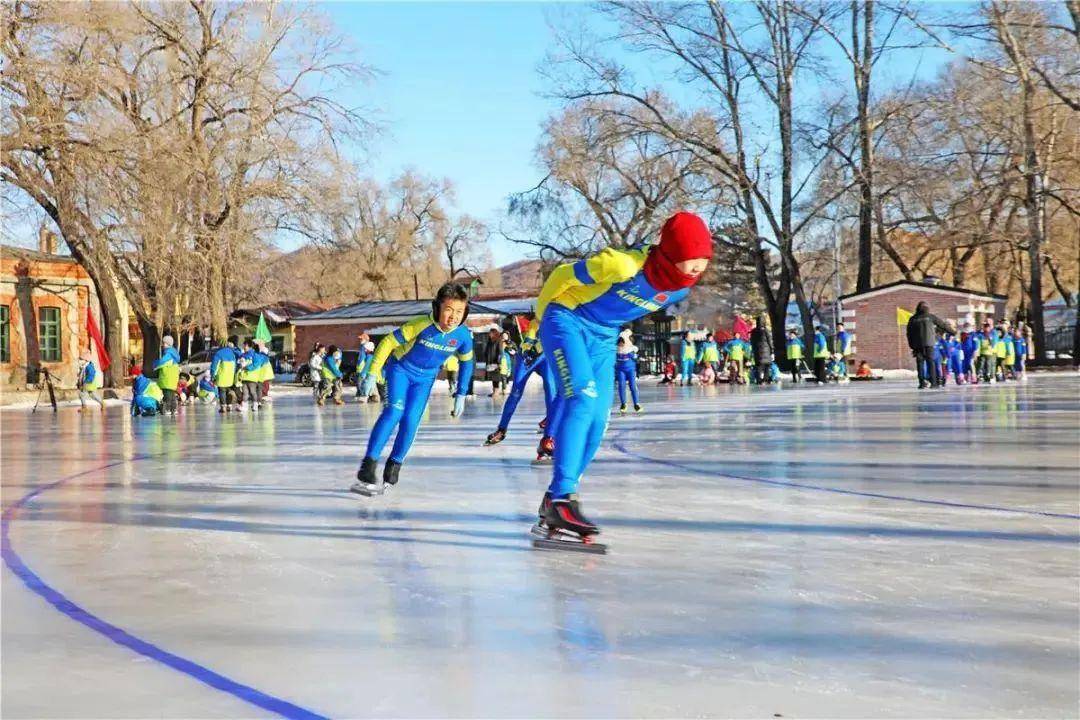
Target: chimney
46	241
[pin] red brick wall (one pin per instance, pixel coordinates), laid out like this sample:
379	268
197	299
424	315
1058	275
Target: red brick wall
61	284
882	343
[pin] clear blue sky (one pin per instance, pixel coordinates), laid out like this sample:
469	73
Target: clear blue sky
459	94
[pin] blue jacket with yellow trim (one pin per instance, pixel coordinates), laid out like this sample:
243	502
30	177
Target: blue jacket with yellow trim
843	343
608	289
422	346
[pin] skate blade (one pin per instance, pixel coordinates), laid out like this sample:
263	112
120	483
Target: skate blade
594	548
540	462
365	492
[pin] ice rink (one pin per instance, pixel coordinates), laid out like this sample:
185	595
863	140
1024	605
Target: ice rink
855	551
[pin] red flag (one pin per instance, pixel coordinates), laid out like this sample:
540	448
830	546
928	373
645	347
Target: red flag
96	343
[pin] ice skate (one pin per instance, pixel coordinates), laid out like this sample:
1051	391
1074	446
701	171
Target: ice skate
638	409
496	437
540	528
569	529
367	482
390	474
545	452
622	409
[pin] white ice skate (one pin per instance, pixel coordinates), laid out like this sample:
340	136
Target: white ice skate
369	489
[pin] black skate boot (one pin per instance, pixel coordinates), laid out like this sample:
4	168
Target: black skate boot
496	437
540	529
390	473
622	409
367	483
568	528
545	451
638	409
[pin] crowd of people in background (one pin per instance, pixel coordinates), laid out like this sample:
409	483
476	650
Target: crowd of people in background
239	377
240	374
995	352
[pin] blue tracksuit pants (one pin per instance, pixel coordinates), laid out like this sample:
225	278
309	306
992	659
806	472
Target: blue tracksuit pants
626	374
687	370
581	359
519	379
407	393
956	365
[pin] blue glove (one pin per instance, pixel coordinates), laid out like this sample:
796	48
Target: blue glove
459	406
368	386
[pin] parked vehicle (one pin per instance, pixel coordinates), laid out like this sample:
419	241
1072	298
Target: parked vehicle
348	370
197	363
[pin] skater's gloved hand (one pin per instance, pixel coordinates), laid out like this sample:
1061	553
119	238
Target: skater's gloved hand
368	386
459	406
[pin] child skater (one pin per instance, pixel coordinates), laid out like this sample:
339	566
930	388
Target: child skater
969	348
581	308
626	373
795	349
223	372
410	358
89	383
687	356
530	360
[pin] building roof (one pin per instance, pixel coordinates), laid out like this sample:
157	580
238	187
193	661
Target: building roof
26	254
279	312
512	306
888	287
382	310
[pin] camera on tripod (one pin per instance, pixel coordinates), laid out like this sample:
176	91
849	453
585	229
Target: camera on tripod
44	379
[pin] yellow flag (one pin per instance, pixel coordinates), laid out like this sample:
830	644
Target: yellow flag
902	316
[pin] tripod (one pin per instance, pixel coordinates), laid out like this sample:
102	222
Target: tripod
41	386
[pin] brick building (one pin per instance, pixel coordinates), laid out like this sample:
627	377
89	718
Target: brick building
44	299
871	316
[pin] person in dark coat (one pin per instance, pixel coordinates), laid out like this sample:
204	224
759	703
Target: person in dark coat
761	347
922	331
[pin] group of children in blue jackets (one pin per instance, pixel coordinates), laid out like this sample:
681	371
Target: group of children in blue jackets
237	375
991	354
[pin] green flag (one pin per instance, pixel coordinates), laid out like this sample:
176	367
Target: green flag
262	332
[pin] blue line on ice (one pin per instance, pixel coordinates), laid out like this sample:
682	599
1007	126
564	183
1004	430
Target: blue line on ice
618	445
119	636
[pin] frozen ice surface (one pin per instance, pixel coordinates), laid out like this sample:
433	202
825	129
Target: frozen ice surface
856	551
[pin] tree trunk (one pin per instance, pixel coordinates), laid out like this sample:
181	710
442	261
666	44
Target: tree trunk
151	344
1033	201
862	68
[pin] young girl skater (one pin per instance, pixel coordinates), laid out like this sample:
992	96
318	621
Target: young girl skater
412	356
581	308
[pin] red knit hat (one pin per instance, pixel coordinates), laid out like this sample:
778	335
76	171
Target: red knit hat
683	237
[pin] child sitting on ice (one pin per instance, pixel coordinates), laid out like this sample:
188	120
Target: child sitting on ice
708	375
669	371
205	389
182	388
